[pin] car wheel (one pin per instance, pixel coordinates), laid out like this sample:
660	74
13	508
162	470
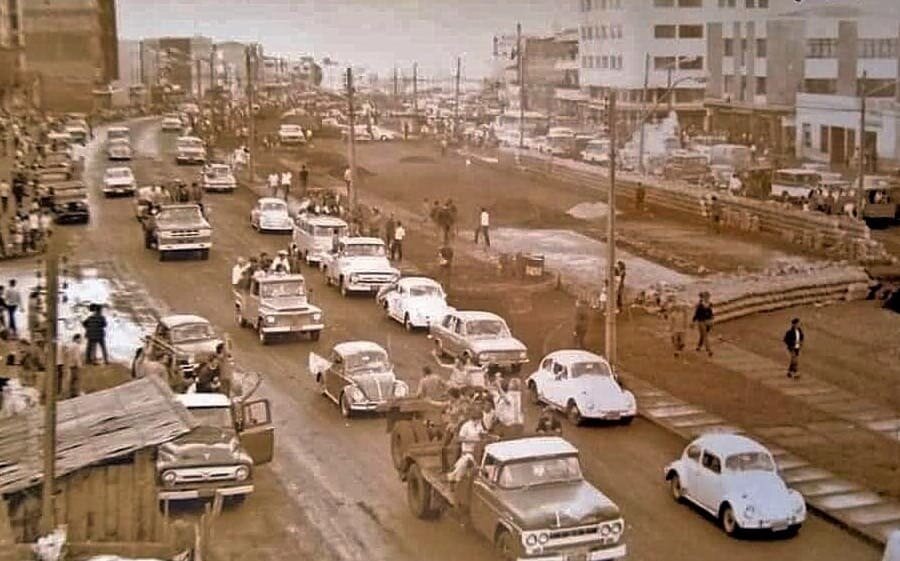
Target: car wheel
533	393
239	317
314	335
262	334
344	291
204	254
793	530
162	255
573	414
407	324
346	410
384	138
419	494
728	521
505	546
137	356
626	420
675	487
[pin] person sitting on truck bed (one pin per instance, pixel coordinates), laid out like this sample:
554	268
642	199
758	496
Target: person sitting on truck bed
432	388
469	435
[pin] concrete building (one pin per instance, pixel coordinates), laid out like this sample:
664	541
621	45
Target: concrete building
72	46
12	53
178	65
549	66
129	88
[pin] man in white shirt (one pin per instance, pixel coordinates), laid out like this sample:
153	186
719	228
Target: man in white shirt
281	263
273	183
237	272
397	242
484	226
470	434
4	195
734	184
286	178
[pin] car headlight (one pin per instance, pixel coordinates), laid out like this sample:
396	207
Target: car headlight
749	511
483	357
242	473
317	317
357	394
204	231
799	504
543	538
353	277
270	319
531	540
169	478
617	527
523	354
400	389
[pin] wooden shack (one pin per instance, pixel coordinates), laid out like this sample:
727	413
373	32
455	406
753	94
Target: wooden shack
105	465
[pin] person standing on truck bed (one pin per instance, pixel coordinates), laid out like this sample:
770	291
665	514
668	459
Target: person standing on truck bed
470	434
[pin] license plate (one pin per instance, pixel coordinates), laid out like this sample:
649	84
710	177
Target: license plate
614	416
576	557
780	527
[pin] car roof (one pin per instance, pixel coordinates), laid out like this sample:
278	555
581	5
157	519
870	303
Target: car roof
119	168
351	347
359	240
117	128
529	447
418	281
271	200
181	319
571	356
181	205
325	220
190	138
475	315
203	399
727	444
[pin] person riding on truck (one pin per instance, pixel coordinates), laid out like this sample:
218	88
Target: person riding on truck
470	434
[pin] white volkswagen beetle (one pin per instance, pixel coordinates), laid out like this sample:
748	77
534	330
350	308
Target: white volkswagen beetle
735	479
415	302
583	386
271	215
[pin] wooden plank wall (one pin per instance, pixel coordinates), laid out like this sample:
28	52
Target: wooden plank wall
108	503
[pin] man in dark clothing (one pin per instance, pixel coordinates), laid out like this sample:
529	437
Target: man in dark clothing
582	319
389	226
640	195
548	423
95	333
445	260
793	340
703	317
13	300
304	179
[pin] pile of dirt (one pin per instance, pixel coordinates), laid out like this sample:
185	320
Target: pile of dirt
417	160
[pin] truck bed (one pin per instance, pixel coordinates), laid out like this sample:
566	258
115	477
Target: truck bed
430	466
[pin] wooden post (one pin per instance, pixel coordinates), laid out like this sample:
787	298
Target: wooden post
610	342
48	511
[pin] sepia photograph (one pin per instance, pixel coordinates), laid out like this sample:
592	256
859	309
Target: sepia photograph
434	280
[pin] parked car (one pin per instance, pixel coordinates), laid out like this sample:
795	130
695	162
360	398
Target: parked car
290	135
359	265
119	149
357	376
277	304
416	302
79	130
686	166
383	134
314	235
736	480
182	339
483	337
218	177
171	122
119	181
583	386
271	215
596	152
794	184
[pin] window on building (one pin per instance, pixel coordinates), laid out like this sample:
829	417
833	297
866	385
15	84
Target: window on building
663	62
619	61
823	139
821	48
729	46
690	31
618	31
819	86
729	84
690	62
761	85
690	3
879	87
762	3
749	3
761	48
664	31
877	48
806	131
663	3
589	7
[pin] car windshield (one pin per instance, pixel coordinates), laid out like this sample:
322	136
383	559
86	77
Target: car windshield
329	231
219	171
540	471
115	134
190	143
186	214
118	173
282	289
192	332
426	290
364	250
486	328
595	368
363	362
273	207
213	417
750	461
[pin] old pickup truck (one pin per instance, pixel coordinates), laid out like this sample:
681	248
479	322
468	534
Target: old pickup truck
177	227
218	456
526	495
359	265
277	305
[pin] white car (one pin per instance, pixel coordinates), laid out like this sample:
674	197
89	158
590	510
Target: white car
735	479
382	134
190	150
119	181
218	177
583	386
416	302
596	152
119	149
291	134
359	265
172	123
271	215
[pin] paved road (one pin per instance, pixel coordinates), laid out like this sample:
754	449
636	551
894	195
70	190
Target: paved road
335	477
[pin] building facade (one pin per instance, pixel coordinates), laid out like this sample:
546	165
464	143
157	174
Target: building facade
12	54
178	66
72	46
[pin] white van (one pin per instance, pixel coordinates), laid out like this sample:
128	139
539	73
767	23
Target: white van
314	235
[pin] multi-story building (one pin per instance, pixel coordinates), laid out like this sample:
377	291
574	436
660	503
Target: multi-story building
549	70
12	52
178	65
72	46
129	88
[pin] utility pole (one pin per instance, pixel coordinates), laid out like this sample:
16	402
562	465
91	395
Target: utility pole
416	90
643	116
669	93
862	144
199	80
48	509
251	141
611	297
521	67
456	102
351	139
212	67
396	85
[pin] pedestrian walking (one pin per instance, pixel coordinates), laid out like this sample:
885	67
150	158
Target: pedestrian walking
348	179
443	147
582	321
640	195
619	272
715	214
72	361
286	179
13	299
389	226
793	340
304	179
95	333
445	262
677	316
703	318
5	191
484	227
397	243
273	183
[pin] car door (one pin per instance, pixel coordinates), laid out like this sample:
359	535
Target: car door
709	483
690	475
556	392
441	331
257	433
458	338
334	376
543	377
254	215
483	509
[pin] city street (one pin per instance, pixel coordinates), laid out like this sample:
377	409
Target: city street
331	491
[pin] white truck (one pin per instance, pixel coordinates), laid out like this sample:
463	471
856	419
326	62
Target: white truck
359	265
277	304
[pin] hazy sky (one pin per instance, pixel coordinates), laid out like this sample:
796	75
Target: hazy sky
375	33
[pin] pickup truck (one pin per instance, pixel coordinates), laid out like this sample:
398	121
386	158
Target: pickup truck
177	227
277	305
526	495
218	456
359	265
70	202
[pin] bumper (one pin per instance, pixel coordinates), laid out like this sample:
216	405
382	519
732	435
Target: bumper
118	189
293	140
599	555
220	186
70	217
195	159
609	415
366	286
183	246
367	405
288	228
202	493
118	157
295	329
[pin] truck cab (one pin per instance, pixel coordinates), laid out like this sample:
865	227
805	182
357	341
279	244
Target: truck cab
219	455
277	304
177	228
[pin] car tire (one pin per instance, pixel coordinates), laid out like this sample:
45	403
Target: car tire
408	324
419	494
204	254
262	334
573	414
505	545
793	530
728	521
162	255
344	291
626	420
675	488
239	318
314	335
344	404
533	393
384	138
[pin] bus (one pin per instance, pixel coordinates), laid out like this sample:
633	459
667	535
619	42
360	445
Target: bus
793	184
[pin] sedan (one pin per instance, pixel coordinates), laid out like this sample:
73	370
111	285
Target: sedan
416	302
119	181
482	337
271	215
172	123
119	149
734	479
583	386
